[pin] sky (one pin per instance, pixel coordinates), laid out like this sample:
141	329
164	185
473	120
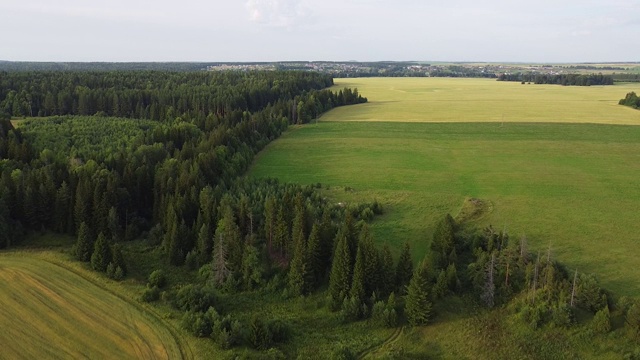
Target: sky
333	30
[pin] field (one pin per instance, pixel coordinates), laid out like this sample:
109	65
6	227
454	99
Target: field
483	100
49	310
569	186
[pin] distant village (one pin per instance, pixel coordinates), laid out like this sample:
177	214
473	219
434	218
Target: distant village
361	69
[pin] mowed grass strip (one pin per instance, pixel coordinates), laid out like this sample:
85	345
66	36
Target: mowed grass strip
48	311
483	100
571	186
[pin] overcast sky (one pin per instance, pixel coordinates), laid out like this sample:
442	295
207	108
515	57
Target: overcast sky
364	30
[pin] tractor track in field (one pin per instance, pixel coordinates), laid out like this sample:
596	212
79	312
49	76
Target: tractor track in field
390	340
185	350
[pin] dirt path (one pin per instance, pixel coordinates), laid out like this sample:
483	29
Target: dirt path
374	349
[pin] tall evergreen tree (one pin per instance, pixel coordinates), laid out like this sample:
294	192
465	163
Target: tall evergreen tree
418	306
388	272
298	266
443	243
404	269
358	282
340	276
315	263
205	244
84	243
101	254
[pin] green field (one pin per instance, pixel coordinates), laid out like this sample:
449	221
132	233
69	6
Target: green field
52	311
571	186
482	100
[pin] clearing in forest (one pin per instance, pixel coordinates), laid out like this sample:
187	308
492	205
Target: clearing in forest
569	186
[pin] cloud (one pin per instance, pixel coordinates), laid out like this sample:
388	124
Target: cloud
277	13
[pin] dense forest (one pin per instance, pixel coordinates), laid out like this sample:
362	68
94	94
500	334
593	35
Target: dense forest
123	156
562	79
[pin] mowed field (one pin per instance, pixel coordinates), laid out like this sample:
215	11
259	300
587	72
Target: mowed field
574	187
49	311
482	100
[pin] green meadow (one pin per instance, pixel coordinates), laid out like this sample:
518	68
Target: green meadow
573	187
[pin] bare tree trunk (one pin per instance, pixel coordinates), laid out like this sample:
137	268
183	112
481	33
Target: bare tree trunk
573	288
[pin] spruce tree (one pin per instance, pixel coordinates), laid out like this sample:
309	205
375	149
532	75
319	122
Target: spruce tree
204	244
418	307
340	277
314	261
297	271
372	268
357	284
101	254
84	244
443	243
118	259
404	269
388	271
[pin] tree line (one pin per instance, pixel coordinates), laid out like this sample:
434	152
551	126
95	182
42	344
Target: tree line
560	79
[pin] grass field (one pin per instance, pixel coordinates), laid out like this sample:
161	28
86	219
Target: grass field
51	311
482	100
571	186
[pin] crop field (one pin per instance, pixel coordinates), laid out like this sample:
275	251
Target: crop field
483	100
573	187
49	311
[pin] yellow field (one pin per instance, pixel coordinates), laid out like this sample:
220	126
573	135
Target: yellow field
483	100
50	311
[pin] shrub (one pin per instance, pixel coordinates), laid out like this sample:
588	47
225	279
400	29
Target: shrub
157	279
151	294
601	323
195	298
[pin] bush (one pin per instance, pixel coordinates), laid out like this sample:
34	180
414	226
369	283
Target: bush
151	294
157	279
280	331
195	298
155	235
601	323
342	353
260	336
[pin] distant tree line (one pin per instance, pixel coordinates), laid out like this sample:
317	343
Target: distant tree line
562	79
20	66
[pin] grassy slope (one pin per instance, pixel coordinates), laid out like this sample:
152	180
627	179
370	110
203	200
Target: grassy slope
574	186
471	100
64	314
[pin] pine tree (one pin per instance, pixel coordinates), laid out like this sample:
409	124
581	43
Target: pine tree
220	263
372	268
84	244
270	220
388	271
118	259
404	269
357	283
340	277
298	266
101	254
418	307
313	257
443	243
205	244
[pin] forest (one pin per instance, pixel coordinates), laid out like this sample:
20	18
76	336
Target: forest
562	79
111	157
